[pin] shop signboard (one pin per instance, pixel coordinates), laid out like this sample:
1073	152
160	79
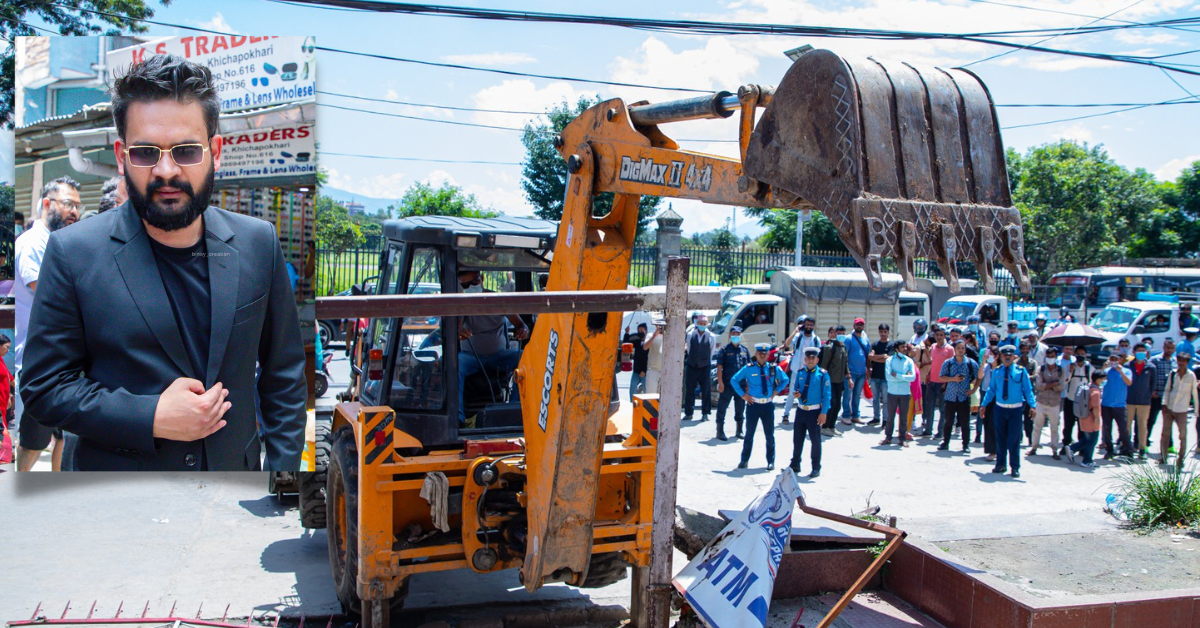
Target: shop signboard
251	72
282	151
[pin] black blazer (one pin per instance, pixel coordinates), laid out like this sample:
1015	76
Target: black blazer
103	344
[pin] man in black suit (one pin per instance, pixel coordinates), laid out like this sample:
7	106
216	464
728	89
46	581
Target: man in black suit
149	319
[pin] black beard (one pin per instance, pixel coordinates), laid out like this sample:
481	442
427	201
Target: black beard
55	221
169	218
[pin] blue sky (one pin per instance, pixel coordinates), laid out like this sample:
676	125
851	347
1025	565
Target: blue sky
1159	139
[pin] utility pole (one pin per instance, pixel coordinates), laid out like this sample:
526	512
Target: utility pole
801	218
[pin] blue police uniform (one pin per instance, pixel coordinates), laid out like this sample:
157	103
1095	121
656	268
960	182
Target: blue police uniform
813	395
1011	389
732	358
761	382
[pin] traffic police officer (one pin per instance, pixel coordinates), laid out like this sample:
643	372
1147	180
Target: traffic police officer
730	360
812	390
1010	388
758	383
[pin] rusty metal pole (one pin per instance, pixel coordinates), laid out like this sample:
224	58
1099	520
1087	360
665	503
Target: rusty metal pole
666	463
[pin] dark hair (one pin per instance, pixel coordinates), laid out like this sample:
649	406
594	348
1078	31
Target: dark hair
839	328
19	215
50	190
107	202
642	326
110	186
4	339
166	77
1097	375
885	327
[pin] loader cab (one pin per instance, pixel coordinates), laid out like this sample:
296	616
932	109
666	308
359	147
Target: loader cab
416	365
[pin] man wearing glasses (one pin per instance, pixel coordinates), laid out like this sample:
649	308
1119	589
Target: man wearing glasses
150	319
60	207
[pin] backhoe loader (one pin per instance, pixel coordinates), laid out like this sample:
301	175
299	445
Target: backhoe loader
906	161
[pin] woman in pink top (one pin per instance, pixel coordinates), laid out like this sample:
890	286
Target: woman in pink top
915	406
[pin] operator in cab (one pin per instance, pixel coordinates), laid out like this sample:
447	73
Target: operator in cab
483	340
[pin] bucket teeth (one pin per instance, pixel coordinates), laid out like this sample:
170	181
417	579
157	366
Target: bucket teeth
906	162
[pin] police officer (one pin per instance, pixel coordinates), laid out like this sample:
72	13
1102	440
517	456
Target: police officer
758	383
803	338
1011	389
730	360
812	390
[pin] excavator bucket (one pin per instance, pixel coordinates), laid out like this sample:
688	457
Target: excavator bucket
905	160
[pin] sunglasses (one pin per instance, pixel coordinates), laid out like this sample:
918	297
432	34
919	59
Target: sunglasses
150	156
475	282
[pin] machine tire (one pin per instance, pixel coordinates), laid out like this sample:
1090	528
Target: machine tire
312	483
605	569
342	486
322	384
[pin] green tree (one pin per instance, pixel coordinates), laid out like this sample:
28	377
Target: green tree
1080	208
422	199
1183	197
819	232
728	272
71	17
544	171
335	232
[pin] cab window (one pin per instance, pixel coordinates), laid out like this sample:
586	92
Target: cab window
379	330
1156	322
912	308
417	381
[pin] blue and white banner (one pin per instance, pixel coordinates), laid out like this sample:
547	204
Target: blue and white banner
729	583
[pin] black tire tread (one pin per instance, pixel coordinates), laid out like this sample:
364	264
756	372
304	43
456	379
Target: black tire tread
312	483
605	569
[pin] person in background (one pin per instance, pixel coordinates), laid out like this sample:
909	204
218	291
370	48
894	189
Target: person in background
700	345
811	388
875	360
1117	379
653	344
1123	349
1011	339
1064	316
916	390
731	359
857	348
1164	364
935	389
1089	424
972	340
637	380
960	374
18	223
1137	400
919	353
899	371
1011	389
1039	325
834	360
987	410
1079	375
1188	345
920	332
6	380
802	338
1179	393
758	383
1186	318
1050	385
1025	360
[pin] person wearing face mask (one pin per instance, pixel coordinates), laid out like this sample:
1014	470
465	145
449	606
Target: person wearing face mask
699	347
483	340
758	383
1117	380
1137	399
801	339
730	360
1089	424
834	360
1179	392
1079	375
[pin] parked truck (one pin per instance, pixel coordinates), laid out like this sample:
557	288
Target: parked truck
831	295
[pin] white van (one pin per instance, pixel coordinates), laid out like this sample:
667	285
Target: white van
1133	321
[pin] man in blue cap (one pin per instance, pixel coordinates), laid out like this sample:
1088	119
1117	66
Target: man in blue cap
1010	388
730	360
813	392
758	383
1188	345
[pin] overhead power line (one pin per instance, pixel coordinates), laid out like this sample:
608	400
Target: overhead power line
430	106
423	159
1084	15
1177	101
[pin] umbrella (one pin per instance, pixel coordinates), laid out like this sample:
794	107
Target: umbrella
1073	335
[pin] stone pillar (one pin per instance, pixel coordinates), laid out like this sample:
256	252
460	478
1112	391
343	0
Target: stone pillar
668	239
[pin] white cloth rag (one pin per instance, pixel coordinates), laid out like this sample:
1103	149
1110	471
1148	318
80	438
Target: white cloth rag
436	491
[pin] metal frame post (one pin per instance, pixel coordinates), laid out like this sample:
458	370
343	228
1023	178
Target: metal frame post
657	597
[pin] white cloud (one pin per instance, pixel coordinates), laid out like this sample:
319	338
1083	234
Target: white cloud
520	95
408	110
491	58
718	65
375	186
438	178
1076	132
1170	170
218	23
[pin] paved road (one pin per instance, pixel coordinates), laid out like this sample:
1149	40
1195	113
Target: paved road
219	539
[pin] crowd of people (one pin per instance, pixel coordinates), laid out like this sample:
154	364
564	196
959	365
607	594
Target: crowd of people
944	384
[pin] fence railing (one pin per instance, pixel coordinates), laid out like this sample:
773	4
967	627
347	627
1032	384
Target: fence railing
726	267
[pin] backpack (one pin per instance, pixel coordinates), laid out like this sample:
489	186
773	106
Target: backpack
1081	401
